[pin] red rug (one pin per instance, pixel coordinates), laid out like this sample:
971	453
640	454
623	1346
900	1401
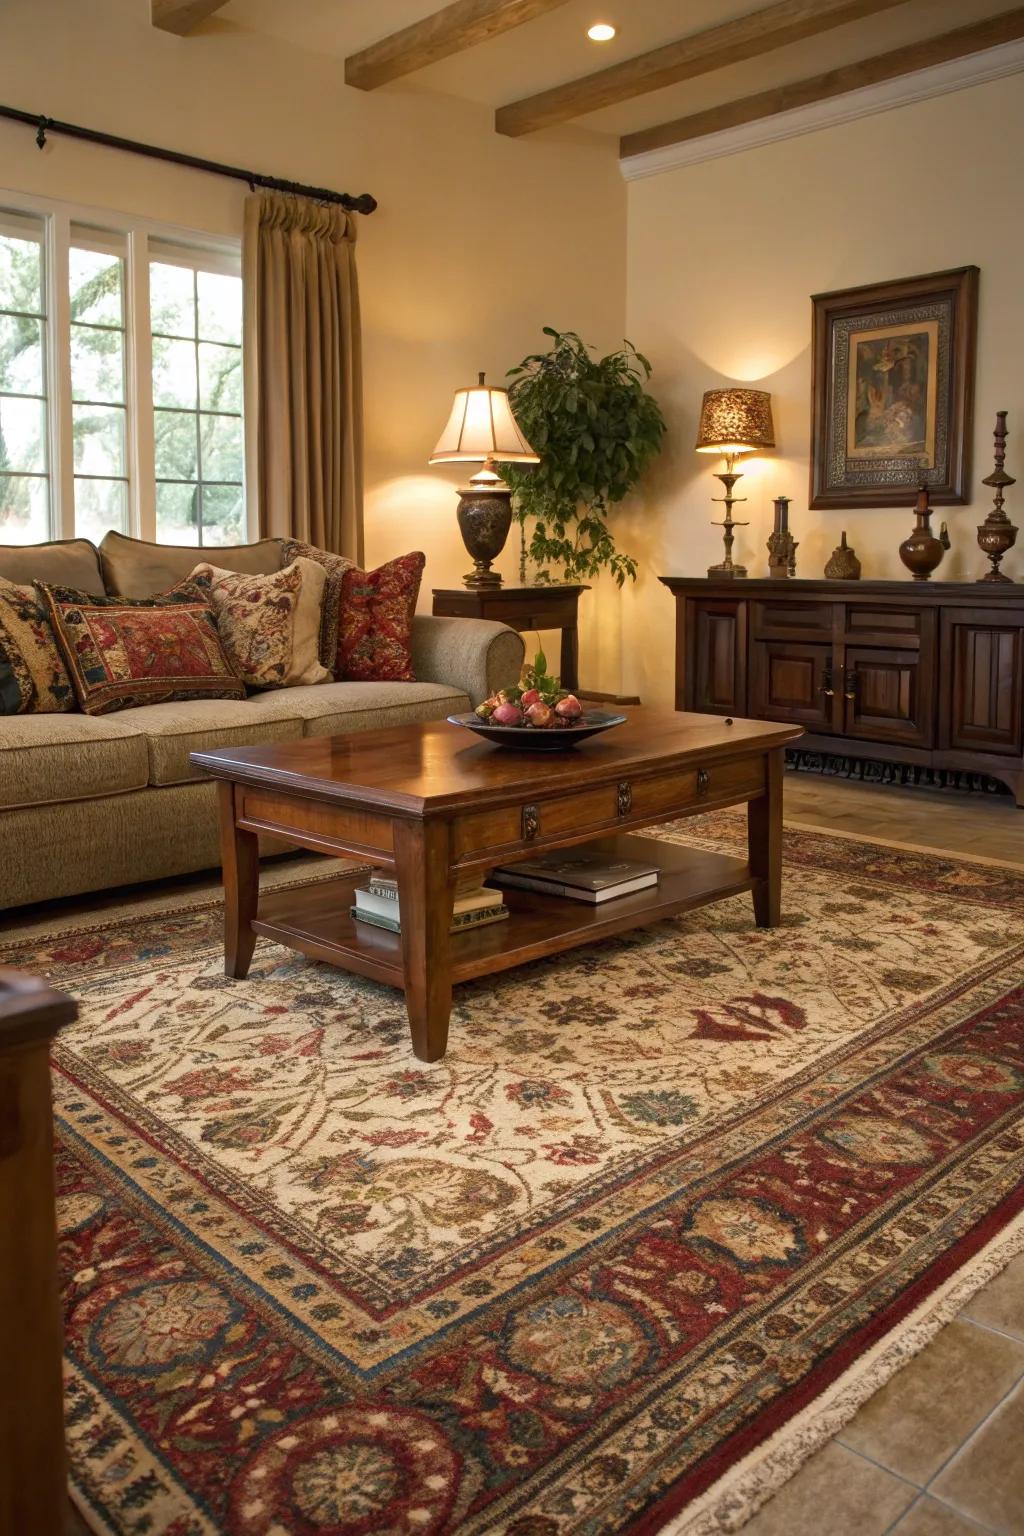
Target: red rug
669	1209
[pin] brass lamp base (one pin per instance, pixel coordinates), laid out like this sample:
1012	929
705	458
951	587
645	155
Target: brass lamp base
728	477
485	517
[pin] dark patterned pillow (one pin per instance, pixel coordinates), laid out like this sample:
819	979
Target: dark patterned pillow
33	678
375	622
330	612
122	652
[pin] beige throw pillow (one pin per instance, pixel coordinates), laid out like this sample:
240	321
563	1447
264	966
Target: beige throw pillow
270	625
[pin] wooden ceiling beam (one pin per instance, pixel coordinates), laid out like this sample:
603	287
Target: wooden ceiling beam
786	21
1004	28
180	16
456	27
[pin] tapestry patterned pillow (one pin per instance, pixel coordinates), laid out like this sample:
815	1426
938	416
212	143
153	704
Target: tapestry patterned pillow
122	652
33	677
375	624
330	612
270	625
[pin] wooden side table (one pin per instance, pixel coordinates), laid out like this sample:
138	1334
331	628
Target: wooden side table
522	608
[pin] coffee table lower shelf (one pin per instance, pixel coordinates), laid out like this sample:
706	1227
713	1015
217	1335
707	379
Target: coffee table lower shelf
315	919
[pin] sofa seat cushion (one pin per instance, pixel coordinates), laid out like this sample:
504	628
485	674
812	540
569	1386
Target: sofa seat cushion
48	759
172	731
336	708
136	568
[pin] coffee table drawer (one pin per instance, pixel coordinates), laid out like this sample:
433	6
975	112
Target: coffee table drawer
515	825
606	809
679	791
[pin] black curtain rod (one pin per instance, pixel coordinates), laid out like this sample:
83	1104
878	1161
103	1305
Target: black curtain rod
364	203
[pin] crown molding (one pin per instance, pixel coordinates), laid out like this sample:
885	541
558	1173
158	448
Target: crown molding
922	85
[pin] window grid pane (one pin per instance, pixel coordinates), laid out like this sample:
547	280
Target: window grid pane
99	413
197	406
24	405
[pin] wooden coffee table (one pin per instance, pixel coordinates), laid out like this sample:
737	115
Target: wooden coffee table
434	803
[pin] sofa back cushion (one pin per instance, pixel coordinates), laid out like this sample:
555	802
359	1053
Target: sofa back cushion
122	652
135	568
63	563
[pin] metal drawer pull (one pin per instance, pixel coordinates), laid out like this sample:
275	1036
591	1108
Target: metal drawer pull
827	685
703	781
531	823
624	798
850	689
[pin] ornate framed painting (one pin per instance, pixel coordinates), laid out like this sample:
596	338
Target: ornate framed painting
892	391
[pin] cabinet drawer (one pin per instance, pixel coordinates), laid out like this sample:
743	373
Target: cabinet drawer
791	619
606	809
890	626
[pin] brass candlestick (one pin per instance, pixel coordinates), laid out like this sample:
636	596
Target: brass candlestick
997	534
728	477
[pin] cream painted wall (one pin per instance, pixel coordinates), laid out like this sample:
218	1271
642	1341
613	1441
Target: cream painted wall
722	260
478	242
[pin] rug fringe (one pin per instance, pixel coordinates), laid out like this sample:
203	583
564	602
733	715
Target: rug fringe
737	1496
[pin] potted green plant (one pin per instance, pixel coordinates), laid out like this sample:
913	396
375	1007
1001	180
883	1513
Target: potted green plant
596	429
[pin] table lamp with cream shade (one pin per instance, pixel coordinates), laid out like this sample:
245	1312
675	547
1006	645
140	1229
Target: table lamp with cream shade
482	430
733	421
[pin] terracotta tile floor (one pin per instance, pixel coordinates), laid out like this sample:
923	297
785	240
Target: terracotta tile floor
939	1451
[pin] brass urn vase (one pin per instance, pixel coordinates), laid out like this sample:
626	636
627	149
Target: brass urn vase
922	551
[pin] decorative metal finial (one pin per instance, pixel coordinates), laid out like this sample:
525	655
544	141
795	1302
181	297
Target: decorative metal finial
997	534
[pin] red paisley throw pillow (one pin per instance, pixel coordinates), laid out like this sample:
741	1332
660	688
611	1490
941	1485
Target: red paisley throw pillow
122	652
375	621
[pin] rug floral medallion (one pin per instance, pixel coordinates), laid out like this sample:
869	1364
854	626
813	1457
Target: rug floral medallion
658	1196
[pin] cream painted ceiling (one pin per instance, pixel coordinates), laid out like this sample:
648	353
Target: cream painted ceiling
555	49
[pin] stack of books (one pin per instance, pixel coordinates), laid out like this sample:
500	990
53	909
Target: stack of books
582	875
475	904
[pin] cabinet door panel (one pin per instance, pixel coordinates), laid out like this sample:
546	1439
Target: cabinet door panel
789	681
719	650
985	658
889	696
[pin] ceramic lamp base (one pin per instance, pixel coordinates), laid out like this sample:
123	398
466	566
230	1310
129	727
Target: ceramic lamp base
485	517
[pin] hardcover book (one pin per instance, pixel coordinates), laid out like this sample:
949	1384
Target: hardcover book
580	875
461	922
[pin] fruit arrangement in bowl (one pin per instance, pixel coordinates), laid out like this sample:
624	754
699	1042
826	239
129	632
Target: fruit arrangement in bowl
536	713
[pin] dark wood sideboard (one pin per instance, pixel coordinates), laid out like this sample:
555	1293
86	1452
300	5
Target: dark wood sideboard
925	673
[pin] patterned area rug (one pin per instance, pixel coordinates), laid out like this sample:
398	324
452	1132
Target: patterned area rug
668	1210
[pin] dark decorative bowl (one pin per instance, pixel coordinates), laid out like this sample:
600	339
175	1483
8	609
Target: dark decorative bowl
526	738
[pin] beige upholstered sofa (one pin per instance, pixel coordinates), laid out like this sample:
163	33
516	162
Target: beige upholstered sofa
88	802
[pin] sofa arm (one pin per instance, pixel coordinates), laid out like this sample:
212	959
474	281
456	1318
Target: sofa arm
475	655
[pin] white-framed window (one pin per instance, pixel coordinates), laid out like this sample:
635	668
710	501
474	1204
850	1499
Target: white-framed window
120	379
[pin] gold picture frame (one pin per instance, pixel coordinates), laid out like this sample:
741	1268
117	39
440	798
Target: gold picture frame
892	391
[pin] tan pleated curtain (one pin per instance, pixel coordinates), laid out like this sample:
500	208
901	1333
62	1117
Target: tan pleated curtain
304	371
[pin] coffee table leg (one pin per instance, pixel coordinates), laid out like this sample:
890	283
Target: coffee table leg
764	840
421	864
240	860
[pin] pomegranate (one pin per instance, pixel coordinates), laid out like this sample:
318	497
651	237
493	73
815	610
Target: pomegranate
569	708
539	715
507	714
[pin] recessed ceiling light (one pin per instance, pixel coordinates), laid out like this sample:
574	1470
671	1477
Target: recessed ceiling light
601	32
